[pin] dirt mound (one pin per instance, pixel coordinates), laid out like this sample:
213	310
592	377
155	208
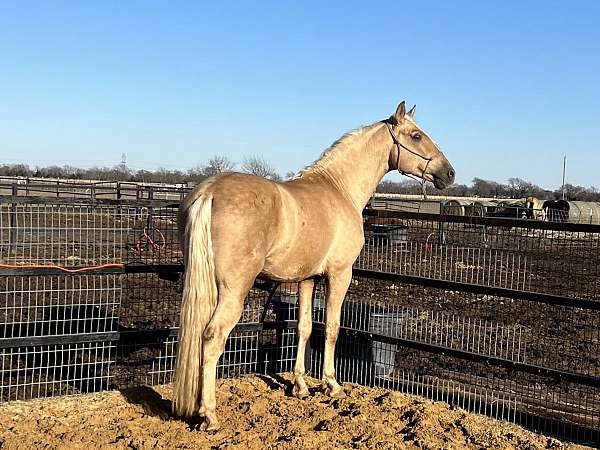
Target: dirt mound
257	413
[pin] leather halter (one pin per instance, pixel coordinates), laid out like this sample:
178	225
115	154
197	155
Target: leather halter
399	145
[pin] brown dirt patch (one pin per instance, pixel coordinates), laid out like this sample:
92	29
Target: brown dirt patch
257	413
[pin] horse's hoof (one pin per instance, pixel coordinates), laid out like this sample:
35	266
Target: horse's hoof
300	393
210	425
336	392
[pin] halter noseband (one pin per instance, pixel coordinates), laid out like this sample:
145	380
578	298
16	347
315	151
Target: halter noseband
399	145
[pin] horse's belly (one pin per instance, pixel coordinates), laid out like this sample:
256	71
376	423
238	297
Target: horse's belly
287	268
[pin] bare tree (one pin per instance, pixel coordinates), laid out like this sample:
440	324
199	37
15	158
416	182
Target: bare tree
215	165
257	165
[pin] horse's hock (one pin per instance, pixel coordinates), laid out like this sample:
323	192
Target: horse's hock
484	319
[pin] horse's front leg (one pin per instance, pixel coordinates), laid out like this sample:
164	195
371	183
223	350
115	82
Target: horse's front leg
337	286
305	291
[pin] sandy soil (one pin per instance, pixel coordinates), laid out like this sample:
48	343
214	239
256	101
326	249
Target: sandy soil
257	413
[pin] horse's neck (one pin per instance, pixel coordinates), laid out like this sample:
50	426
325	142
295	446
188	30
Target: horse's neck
356	165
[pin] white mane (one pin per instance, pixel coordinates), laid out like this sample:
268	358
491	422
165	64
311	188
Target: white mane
330	152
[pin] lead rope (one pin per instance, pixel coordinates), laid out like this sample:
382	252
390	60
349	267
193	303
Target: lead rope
268	303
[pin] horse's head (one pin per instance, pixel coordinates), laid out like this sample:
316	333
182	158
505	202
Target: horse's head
414	153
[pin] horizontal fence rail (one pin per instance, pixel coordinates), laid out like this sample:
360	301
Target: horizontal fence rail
498	316
91	190
523	255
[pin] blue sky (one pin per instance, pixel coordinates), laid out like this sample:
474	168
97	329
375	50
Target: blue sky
506	88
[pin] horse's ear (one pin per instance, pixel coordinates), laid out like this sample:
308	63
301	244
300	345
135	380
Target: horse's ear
399	114
411	113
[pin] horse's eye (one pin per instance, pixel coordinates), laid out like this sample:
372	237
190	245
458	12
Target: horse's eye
416	136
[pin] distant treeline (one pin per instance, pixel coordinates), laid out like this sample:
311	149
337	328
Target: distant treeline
252	164
515	188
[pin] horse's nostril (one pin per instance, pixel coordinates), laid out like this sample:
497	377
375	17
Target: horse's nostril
451	173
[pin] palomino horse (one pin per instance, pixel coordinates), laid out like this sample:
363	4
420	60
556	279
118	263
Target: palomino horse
236	227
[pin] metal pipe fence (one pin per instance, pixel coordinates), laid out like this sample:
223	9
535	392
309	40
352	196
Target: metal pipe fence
522	255
497	316
93	190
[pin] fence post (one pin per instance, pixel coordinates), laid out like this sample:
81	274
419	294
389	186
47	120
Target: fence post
150	223
12	238
441	237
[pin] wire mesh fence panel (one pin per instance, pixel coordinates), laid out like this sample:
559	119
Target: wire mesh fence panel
153	237
520	331
151	360
65	235
74	236
50	370
532	363
58	305
541	260
150	302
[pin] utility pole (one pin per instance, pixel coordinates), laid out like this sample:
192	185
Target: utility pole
563	178
123	165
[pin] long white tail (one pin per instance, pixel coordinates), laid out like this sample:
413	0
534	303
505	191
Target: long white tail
198	305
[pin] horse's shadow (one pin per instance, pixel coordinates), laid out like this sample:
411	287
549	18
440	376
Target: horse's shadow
151	401
277	382
155	405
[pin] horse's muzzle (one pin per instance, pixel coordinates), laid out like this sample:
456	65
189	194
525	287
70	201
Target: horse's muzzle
444	177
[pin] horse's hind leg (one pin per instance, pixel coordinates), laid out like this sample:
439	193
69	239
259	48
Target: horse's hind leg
337	285
305	290
229	309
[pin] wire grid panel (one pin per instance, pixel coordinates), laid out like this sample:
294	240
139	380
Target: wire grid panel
150	358
87	235
533	260
538	402
546	335
150	302
153	237
64	235
58	305
51	370
568	410
440	328
152	361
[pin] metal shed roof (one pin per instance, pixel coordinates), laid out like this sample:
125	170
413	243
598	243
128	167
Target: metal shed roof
572	211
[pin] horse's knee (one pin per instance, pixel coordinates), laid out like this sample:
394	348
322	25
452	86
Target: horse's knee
304	329
331	331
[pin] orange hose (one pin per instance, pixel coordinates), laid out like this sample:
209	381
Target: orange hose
61	268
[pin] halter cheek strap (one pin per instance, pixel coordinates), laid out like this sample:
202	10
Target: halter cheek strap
400	146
